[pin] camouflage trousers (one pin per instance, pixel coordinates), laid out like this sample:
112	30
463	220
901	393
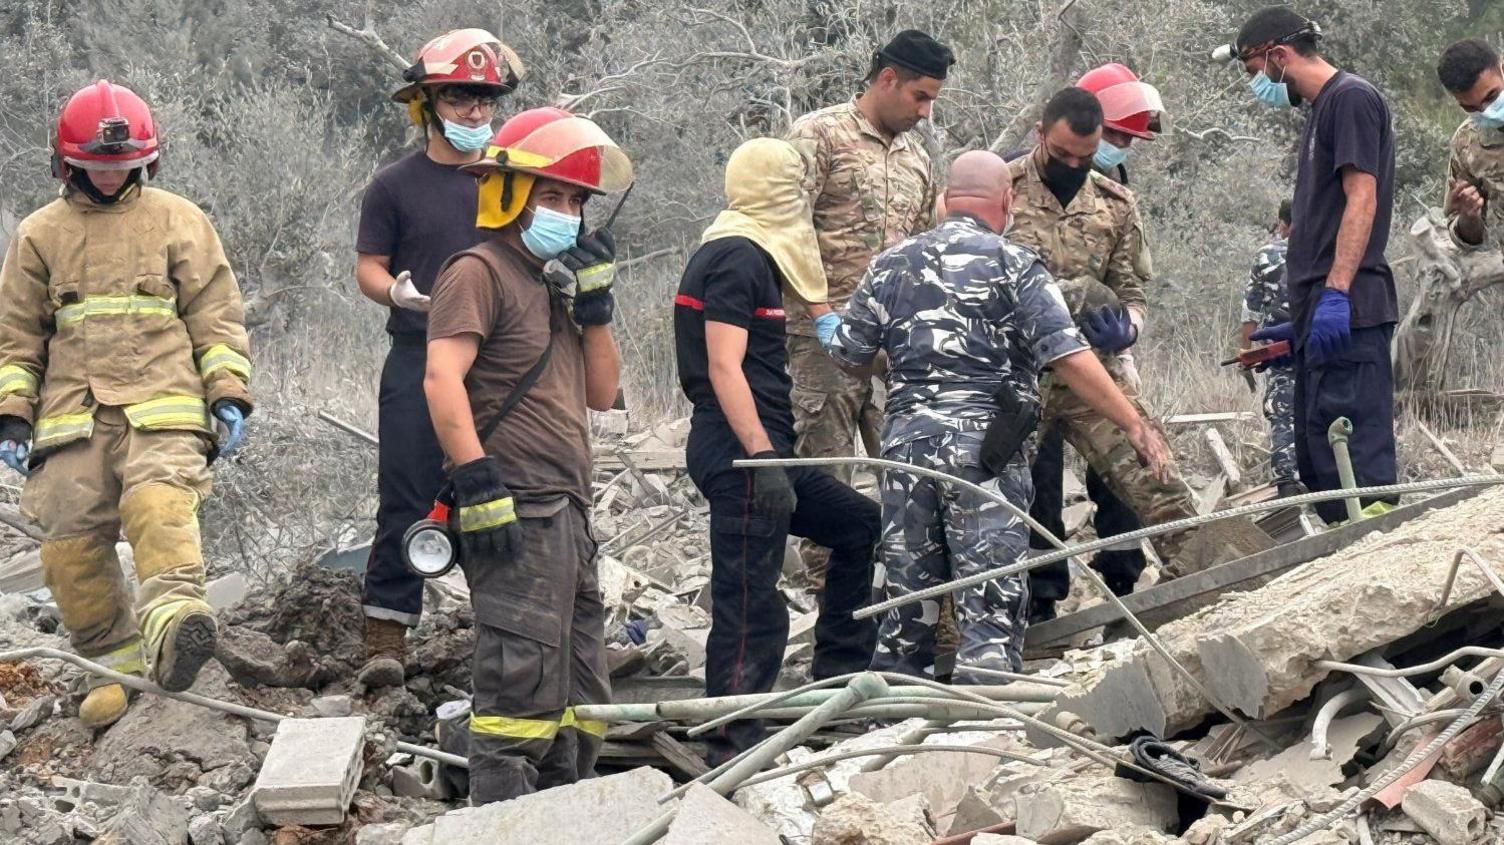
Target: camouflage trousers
831	409
934	532
1279	411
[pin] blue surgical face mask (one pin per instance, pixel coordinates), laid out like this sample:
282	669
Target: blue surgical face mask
551	233
1269	92
1492	117
1109	155
467	139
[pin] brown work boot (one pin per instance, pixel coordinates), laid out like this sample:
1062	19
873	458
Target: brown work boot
386	651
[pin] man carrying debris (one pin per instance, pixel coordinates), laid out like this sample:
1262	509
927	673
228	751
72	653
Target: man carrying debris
416	213
1131	110
871	186
967	320
1342	297
730	344
1087	231
1266	303
519	346
122	344
1470	71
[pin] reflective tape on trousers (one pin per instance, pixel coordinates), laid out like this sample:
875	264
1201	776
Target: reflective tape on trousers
51	431
511	728
14	379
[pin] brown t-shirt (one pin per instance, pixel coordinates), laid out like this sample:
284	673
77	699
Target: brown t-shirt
496	291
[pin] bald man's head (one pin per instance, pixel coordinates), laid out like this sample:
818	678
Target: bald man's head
980	185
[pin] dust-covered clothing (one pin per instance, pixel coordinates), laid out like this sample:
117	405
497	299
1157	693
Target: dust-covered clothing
964	316
1476	155
540	644
1265	303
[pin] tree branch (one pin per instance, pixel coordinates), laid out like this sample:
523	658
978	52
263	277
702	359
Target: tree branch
1063	55
367	35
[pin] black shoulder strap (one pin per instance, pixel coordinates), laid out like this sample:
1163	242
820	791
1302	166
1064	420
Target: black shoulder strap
527	381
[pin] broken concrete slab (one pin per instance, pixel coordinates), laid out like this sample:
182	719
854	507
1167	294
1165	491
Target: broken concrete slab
858	820
1068	811
1446	811
147	817
942	777
999	839
226	592
137	746
1128	836
310	773
1309	774
333	706
391	833
1265	643
33	713
705	818
610	808
8	743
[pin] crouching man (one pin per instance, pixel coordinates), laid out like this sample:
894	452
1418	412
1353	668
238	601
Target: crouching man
514	360
967	320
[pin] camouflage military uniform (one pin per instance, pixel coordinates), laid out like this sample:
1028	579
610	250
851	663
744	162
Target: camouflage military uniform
1265	303
962	315
1477	156
1099	238
868	192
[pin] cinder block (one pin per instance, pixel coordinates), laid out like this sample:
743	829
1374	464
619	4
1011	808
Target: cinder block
310	773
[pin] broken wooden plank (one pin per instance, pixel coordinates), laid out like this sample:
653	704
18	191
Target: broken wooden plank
12	517
1223	456
656	460
1202	419
1170	600
1442	448
679	755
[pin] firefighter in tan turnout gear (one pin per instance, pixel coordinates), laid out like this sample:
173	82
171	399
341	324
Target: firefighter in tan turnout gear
122	345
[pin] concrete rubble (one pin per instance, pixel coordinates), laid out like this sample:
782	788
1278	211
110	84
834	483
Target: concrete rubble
309	775
1449	813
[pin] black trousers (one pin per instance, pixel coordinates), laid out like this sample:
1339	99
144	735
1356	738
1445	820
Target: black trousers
410	471
1120	568
749	618
1359	385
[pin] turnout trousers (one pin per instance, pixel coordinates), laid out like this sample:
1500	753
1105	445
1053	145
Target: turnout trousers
934	532
540	650
410	471
1357	384
147	484
749	618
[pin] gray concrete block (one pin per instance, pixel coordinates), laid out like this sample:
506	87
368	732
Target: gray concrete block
310	773
1449	813
1072	810
606	809
705	818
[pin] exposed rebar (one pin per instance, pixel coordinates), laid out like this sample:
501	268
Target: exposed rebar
895	751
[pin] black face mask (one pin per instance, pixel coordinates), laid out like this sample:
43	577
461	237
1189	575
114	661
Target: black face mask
79	179
1063	180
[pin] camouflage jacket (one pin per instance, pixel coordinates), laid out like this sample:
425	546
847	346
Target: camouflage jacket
868	192
1477	156
1265	300
1100	236
961	313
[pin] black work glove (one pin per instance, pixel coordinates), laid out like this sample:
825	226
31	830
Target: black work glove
14	429
772	494
592	260
485	515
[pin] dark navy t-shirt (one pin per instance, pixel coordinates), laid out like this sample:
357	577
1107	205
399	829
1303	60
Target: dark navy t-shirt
1349	126
731	280
418	213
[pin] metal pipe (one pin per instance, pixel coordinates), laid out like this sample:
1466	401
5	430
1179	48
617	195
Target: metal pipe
348	428
863	687
700	709
1320	748
140	684
907	707
913	736
887	750
1416	721
1337	435
1015	676
1420	669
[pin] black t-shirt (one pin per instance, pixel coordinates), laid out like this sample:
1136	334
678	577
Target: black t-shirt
1349	126
418	213
732	281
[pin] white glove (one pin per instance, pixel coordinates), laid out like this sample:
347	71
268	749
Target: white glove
404	294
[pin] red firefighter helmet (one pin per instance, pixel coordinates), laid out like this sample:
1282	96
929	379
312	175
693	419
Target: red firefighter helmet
105	127
1128	105
462	57
548	143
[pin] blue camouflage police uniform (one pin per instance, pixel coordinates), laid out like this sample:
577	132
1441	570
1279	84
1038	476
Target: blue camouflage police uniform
1265	303
962	315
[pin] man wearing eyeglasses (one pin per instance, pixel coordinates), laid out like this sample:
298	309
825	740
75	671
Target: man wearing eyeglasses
417	212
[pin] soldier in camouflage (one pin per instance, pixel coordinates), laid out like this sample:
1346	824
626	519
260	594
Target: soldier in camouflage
1266	303
1087	231
871	185
967	320
1470	71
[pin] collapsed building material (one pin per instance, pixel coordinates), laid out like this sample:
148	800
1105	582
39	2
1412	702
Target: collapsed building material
701	709
603	809
1067	811
858	820
1449	813
311	771
706	818
1266	644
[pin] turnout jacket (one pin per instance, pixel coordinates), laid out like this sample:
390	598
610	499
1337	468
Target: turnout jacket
131	304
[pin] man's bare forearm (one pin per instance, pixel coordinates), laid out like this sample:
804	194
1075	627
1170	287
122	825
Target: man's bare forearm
734	396
1354	231
602	368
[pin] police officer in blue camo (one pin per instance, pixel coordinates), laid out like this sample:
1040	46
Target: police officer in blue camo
967	320
1266	303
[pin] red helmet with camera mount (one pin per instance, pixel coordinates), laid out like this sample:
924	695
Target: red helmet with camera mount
105	127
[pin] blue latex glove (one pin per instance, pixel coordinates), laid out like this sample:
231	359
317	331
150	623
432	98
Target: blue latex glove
1331	326
229	413
13	454
826	326
1110	330
1277	332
